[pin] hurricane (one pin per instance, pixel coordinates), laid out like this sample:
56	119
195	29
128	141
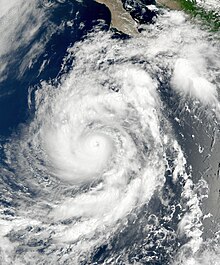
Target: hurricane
112	161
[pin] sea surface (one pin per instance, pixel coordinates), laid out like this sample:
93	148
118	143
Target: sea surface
109	143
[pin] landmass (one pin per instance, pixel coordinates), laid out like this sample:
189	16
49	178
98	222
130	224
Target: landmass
121	19
172	4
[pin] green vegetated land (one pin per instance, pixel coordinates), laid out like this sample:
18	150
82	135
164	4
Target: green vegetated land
210	17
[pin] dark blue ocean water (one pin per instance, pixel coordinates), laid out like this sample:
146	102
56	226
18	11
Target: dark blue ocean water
14	89
66	23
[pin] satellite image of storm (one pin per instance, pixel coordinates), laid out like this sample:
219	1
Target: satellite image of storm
109	132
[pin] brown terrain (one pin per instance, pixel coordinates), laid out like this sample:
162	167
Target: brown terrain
172	4
121	19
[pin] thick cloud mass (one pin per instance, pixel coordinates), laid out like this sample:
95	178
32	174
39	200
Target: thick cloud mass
99	165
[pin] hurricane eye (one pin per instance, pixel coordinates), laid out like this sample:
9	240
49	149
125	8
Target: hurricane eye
109	132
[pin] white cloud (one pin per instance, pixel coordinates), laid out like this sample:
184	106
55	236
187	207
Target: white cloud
187	81
20	21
